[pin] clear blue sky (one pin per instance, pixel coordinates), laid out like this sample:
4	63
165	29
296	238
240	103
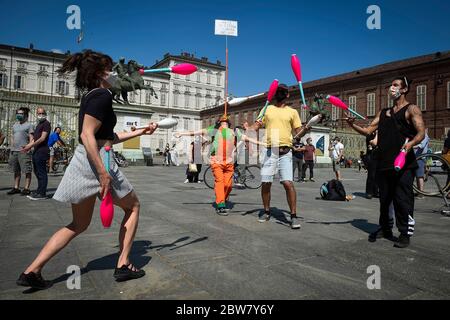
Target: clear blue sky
330	37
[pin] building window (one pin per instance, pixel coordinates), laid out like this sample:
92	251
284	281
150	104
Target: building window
132	97
148	97
161	144
176	126
255	114
187	100
334	113
188	77
42	68
197	101
2	63
163	98
198	76
62	87
303	114
448	94
422	97
352	102
371	104
41	83
163	87
219	78
185	123
236	119
390	101
22	65
3	80
208	77
19	82
175	99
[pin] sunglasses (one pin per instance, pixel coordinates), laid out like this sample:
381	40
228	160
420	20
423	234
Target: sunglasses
42	113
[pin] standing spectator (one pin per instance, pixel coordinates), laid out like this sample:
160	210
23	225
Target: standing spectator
20	162
53	141
40	154
174	155
167	156
195	157
372	160
337	155
310	159
297	158
446	155
362	162
420	149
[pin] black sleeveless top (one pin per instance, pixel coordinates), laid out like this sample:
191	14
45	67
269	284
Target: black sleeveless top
98	104
392	133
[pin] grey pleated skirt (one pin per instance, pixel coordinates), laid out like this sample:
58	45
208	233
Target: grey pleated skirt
80	181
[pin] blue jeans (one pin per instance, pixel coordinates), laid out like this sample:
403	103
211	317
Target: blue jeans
40	170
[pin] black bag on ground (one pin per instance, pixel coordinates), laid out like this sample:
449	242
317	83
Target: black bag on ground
333	190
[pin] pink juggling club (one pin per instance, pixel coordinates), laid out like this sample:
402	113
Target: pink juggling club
400	161
107	206
296	67
272	90
340	104
182	68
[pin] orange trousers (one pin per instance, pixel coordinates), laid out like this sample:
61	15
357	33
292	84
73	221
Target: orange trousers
223	181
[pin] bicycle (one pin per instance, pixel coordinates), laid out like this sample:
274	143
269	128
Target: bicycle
120	160
250	177
63	155
436	180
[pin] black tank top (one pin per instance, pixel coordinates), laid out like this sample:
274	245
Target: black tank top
392	133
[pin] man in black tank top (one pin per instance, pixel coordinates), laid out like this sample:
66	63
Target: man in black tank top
395	125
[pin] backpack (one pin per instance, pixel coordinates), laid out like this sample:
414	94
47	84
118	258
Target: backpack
333	190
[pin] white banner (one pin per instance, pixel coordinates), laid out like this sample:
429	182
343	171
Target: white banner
226	28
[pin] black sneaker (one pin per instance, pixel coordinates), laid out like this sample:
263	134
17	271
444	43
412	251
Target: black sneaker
222	211
264	217
25	192
380	233
13	191
33	280
403	241
124	273
37	196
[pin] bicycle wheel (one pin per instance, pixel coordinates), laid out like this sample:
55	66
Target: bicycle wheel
436	179
208	178
252	177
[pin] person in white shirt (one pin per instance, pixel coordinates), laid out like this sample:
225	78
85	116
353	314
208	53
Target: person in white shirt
337	152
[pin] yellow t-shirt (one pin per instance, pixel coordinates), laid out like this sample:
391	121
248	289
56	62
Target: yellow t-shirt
279	123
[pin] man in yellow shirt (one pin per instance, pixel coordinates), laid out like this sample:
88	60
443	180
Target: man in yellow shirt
279	121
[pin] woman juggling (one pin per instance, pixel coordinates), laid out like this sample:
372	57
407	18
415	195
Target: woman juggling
86	176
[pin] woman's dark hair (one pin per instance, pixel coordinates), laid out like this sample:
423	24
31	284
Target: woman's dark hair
282	93
56	128
89	65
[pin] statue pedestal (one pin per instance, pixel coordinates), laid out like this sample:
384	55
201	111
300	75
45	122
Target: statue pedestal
321	140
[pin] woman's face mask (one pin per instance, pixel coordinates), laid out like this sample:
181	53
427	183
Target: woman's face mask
41	117
20	116
111	78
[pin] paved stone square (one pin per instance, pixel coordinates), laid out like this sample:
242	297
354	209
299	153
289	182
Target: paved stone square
189	252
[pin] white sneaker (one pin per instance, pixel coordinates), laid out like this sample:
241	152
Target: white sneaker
186	181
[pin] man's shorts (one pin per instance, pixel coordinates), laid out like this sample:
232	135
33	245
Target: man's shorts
20	162
420	171
272	163
335	165
52	151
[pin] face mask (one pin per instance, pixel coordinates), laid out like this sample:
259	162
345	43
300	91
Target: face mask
20	117
112	79
395	93
41	118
